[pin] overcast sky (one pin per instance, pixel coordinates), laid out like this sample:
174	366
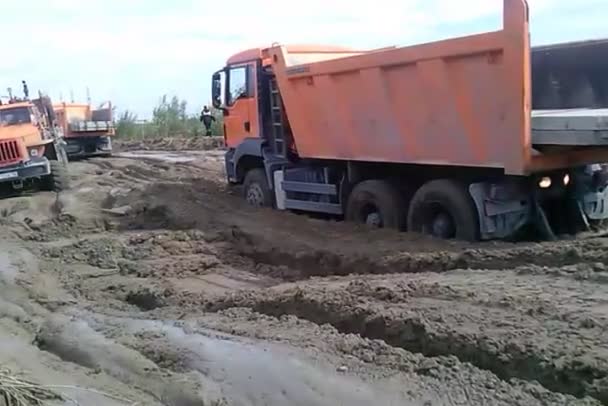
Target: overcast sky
133	51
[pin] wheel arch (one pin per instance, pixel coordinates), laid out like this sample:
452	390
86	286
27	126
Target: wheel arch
247	155
247	163
56	151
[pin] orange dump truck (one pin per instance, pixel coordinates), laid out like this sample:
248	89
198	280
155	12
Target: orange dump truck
437	138
87	131
32	150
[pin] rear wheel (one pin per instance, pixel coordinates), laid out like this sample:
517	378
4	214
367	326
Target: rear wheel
377	204
444	209
256	191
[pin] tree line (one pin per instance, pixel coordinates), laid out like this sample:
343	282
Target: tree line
169	119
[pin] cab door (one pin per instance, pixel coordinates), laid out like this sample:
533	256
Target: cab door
241	113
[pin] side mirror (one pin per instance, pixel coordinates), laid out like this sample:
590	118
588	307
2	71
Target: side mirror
216	90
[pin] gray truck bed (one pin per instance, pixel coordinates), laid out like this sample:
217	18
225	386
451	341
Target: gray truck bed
577	127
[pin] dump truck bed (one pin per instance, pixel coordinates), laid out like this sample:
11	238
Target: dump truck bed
460	102
571	127
80	120
570	75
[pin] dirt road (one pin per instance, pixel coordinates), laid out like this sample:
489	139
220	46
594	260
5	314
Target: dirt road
151	284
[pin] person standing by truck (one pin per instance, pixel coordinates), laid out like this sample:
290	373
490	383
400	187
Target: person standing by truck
207	119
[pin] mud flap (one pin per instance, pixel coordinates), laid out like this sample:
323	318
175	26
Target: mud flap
576	220
503	208
541	223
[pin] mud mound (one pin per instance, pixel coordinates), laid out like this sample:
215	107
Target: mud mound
101	253
530	333
169	144
296	247
146	299
111	253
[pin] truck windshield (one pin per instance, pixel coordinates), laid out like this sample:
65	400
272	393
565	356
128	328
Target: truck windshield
18	115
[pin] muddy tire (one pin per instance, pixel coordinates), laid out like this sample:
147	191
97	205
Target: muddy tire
59	179
444	209
376	203
256	191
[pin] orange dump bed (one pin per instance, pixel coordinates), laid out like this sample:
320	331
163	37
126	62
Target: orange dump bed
463	101
78	120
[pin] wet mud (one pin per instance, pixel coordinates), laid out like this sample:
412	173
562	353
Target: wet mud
150	281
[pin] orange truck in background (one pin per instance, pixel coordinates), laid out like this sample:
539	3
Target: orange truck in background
32	150
437	138
87	131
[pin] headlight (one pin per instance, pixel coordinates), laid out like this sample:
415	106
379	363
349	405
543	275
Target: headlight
545	183
33	152
566	180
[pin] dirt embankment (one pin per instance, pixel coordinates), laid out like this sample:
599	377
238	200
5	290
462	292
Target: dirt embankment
168	144
151	279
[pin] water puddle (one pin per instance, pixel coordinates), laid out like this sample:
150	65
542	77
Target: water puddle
257	373
172	157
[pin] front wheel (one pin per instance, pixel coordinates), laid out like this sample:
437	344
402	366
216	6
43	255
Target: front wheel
58	180
256	191
444	209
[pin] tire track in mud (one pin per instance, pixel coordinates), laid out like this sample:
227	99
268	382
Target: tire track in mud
432	331
315	262
294	261
307	249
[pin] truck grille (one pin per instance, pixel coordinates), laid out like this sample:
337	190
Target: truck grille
10	152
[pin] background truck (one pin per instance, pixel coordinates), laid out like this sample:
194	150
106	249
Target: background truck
32	150
437	138
87	131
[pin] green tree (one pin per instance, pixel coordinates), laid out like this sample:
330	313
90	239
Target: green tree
126	125
170	118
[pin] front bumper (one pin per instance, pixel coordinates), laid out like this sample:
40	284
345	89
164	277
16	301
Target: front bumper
80	147
35	168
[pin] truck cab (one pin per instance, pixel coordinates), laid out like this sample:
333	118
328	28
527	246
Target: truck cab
31	146
247	93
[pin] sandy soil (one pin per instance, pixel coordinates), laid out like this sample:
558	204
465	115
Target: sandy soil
150	283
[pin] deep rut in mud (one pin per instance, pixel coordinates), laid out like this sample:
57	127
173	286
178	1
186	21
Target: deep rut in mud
429	329
307	248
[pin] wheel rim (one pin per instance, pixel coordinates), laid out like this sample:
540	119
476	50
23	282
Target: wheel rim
255	195
374	219
439	223
443	226
370	215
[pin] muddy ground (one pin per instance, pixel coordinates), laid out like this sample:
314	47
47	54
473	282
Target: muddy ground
150	283
199	143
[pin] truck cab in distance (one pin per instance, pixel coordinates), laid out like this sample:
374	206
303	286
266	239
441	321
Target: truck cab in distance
88	132
436	138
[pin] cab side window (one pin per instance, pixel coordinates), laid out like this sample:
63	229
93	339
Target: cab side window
237	84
